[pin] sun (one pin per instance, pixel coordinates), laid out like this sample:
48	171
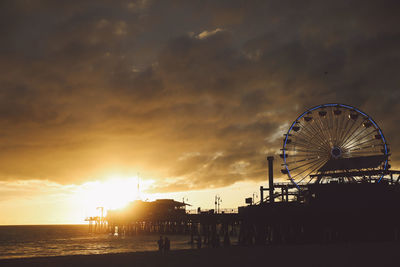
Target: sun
113	193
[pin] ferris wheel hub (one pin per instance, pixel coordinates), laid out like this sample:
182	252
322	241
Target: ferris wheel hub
336	152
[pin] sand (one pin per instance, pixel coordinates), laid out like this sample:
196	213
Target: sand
362	254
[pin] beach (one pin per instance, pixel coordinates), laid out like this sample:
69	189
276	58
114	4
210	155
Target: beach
361	254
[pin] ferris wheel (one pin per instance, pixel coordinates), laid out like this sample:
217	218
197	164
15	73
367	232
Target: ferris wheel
333	138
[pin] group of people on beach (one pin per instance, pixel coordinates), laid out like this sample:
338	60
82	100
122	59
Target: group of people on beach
214	242
164	245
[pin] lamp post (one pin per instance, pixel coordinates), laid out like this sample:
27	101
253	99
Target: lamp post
217	203
183	201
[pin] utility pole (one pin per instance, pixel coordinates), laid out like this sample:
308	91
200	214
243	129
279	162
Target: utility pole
271	178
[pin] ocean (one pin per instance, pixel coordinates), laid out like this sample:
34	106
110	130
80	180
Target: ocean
59	240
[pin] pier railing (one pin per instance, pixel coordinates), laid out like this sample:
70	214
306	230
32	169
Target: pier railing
225	211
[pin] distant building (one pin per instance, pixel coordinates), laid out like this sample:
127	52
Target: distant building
141	211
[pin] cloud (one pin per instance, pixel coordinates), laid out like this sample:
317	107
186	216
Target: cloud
206	34
97	88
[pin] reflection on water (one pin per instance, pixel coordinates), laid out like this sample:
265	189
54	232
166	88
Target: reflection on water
57	240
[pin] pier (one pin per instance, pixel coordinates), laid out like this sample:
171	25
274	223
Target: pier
167	216
331	212
341	189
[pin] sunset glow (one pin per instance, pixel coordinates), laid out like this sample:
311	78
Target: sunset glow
112	193
99	97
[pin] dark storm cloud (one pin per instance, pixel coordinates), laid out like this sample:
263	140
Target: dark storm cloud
191	93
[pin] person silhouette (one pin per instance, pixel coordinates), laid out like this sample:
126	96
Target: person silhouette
227	241
167	244
160	243
199	242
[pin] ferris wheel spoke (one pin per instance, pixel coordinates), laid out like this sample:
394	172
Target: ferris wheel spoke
309	141
349	130
361	148
361	143
353	132
312	168
313	136
317	133
357	135
339	131
325	137
319	154
306	164
346	124
367	136
358	139
310	145
301	160
301	157
344	120
305	132
349	122
334	129
330	127
307	147
373	150
305	151
360	153
329	130
317	127
373	142
311	165
314	150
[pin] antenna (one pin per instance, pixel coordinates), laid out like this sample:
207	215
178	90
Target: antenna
138	186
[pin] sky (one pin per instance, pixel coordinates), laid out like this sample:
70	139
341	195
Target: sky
184	98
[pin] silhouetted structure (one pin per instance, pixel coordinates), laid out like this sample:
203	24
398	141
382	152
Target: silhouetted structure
331	212
349	193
